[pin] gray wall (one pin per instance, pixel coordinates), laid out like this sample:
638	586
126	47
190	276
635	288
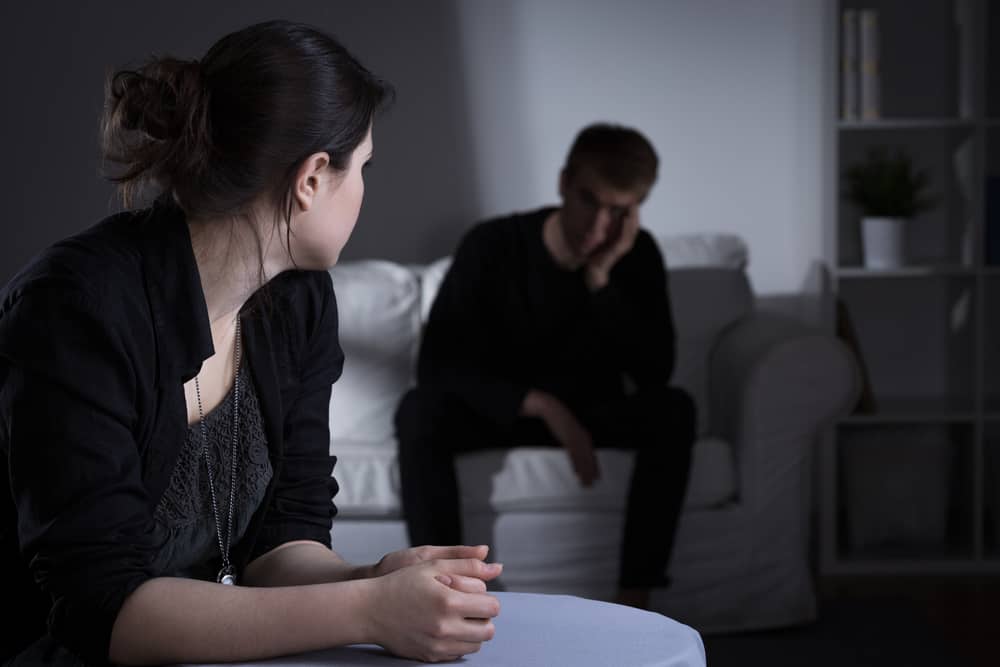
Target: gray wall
54	59
490	95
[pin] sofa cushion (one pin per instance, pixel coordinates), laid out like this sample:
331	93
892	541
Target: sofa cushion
541	479
379	309
523	479
368	476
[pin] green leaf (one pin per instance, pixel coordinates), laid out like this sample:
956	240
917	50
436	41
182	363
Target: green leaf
887	184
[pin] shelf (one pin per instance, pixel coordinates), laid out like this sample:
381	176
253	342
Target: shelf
907	124
916	411
943	555
856	272
912	485
962	566
937	417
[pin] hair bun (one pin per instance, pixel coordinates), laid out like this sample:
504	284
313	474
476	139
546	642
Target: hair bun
159	99
157	121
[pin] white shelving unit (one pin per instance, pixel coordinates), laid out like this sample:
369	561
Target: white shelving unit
910	482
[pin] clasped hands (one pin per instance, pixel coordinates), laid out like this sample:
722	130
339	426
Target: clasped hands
434	605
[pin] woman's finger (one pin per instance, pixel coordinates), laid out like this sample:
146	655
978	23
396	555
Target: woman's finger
456	551
474	605
469	567
472	630
467	584
453	650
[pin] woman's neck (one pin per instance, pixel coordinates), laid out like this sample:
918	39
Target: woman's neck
233	263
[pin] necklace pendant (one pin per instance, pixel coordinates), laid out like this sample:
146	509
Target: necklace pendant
226	577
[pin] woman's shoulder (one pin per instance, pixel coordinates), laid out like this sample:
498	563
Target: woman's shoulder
302	287
78	304
303	299
98	266
302	312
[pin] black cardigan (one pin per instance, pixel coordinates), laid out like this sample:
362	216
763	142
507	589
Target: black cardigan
97	337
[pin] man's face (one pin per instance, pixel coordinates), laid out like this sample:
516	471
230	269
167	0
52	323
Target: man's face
593	211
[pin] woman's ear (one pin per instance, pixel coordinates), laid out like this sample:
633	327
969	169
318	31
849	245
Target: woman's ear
308	180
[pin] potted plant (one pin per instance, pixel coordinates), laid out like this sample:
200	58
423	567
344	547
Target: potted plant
888	190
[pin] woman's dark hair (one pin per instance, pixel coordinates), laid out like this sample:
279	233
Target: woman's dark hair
218	133
620	155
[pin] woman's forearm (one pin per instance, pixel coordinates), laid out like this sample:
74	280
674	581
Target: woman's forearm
171	620
300	563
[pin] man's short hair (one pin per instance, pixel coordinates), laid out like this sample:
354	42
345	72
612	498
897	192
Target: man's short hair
620	155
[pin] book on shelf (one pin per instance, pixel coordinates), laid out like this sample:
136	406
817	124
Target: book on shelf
859	65
849	72
868	60
868	55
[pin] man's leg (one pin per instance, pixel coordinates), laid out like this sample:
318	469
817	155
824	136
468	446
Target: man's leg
424	433
660	425
432	427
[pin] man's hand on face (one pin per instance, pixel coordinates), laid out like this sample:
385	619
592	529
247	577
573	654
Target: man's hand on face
599	265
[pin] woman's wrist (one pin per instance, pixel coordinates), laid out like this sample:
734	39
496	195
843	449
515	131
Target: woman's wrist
368	593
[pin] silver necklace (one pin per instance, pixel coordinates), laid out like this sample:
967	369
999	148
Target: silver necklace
227	575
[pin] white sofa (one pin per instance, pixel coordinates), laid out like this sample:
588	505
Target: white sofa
765	385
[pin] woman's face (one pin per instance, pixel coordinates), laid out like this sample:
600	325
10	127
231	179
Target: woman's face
320	233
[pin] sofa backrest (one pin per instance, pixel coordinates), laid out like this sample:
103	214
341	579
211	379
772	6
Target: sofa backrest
383	305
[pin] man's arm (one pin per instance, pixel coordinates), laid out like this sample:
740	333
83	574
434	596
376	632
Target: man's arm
463	348
632	313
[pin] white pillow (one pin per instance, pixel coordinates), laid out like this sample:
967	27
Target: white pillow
430	281
691	250
379	309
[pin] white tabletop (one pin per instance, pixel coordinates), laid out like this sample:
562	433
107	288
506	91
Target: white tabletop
549	631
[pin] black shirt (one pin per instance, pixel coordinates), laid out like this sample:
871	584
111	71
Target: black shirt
97	337
507	319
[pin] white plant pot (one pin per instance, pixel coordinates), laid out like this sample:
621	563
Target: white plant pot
882	242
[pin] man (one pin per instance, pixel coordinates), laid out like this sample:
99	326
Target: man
554	326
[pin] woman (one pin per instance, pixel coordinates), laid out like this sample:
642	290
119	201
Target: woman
165	379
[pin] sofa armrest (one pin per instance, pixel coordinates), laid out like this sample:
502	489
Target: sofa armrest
774	384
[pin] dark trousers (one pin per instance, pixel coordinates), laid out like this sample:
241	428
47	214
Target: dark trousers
432	426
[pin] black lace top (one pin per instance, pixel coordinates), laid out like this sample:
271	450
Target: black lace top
185	523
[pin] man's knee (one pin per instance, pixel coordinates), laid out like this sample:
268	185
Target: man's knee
422	415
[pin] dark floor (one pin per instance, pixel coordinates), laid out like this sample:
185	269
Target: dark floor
945	622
